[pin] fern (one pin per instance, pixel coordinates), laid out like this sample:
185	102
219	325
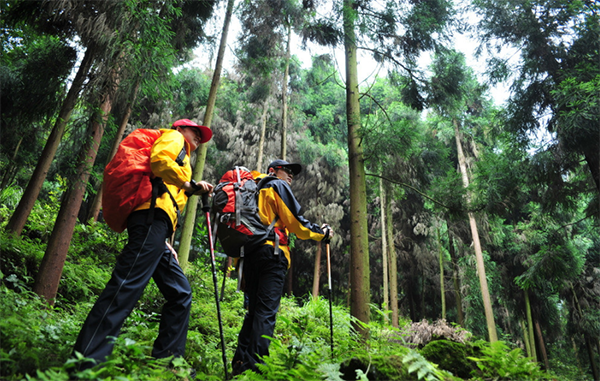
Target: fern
425	370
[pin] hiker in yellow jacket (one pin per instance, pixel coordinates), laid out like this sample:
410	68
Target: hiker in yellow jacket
265	268
146	254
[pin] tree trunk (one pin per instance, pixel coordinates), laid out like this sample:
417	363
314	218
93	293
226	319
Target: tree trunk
11	166
526	338
456	280
22	211
592	157
593	364
46	283
261	142
97	203
530	325
538	331
192	206
384	249
289	280
317	272
487	303
442	288
284	97
359	250
392	258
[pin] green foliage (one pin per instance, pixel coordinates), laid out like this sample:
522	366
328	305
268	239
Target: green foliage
500	363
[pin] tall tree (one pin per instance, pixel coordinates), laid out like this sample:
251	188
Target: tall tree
192	205
359	248
453	92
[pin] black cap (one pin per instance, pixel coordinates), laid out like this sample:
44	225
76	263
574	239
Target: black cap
296	168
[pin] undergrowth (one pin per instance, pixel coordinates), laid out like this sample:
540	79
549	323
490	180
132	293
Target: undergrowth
36	340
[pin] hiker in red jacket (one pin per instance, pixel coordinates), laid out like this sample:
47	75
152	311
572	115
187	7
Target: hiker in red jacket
147	255
265	268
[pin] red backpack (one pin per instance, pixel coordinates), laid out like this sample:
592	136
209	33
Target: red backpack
127	178
237	224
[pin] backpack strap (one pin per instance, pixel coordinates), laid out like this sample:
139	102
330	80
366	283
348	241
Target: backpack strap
261	185
179	159
159	188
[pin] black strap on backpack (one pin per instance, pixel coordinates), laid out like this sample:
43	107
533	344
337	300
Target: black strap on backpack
159	188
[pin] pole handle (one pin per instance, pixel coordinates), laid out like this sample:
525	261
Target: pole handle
205	204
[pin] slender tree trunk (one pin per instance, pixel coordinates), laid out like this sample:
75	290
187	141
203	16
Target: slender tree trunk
487	303
392	258
442	288
284	97
456	280
526	337
263	133
192	204
384	249
289	278
317	272
11	166
593	363
359	250
543	353
592	157
97	203
588	344
530	325
46	283
22	211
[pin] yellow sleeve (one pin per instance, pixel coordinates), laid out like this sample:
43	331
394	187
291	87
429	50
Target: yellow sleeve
163	155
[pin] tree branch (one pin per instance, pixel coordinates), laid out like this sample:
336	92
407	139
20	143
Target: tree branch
410	187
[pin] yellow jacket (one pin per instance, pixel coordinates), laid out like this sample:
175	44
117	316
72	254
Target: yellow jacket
163	164
276	200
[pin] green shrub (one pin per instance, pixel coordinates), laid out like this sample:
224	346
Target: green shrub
498	362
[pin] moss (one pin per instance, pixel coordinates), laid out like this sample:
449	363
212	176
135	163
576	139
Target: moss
450	356
377	368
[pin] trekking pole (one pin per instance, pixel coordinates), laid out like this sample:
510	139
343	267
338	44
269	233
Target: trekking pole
330	307
206	210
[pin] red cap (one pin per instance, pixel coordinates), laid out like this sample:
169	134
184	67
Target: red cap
205	132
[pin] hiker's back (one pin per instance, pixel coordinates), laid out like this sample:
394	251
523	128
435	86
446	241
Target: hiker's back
235	212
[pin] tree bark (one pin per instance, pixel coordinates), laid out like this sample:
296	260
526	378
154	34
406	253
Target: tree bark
538	331
592	157
487	303
530	325
384	249
6	178
261	142
593	364
284	97
359	250
47	280
317	272
192	204
392	258
442	288
456	280
526	338
22	211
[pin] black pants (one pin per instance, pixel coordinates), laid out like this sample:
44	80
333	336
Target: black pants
145	256
264	274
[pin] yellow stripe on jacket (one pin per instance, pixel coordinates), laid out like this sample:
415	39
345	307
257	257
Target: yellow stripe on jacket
277	200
